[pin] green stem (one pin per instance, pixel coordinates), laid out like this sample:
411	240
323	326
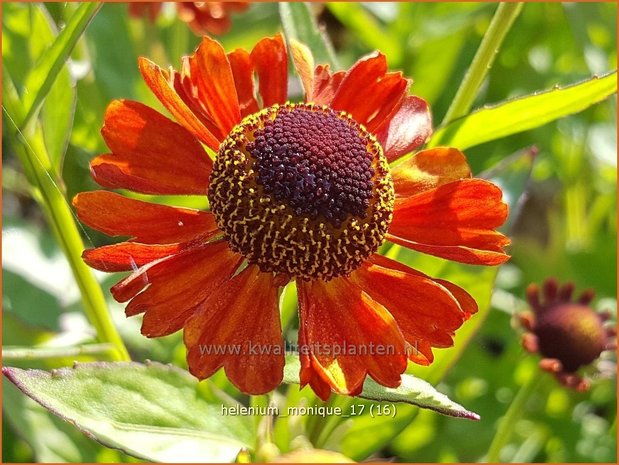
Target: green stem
60	218
32	154
501	23
509	420
15	353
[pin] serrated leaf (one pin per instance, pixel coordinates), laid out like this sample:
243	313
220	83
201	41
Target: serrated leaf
412	391
524	113
154	412
300	24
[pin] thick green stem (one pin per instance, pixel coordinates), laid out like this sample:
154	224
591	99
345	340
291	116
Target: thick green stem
509	420
62	223
501	23
31	152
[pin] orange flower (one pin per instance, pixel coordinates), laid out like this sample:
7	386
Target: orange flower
202	17
149	9
297	191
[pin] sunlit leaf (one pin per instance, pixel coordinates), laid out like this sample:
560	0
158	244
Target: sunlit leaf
412	391
524	113
51	439
154	412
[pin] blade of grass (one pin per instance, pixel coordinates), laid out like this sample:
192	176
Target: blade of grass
43	75
299	23
501	23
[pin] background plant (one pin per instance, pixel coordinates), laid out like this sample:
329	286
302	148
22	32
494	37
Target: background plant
562	193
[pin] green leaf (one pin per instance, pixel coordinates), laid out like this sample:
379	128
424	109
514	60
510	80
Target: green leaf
153	411
57	118
412	391
32	36
41	78
51	439
299	23
524	113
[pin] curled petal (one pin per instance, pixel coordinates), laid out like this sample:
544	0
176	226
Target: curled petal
428	169
177	274
407	129
465	300
325	84
347	335
243	72
163	86
454	221
219	334
425	311
270	60
212	75
179	287
369	93
116	215
151	154
127	256
304	64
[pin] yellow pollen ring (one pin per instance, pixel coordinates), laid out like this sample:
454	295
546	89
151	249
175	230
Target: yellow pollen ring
268	232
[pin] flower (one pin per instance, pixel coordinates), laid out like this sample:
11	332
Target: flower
202	17
298	192
209	17
567	333
149	9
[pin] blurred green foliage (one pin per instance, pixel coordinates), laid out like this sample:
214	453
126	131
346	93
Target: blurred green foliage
563	222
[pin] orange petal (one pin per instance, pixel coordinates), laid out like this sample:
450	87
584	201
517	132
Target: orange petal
270	60
423	309
337	316
243	72
429	169
325	85
407	129
127	256
116	215
150	153
369	93
466	301
454	221
179	269
304	64
162	86
384	101
186	86
239	328
179	286
211	73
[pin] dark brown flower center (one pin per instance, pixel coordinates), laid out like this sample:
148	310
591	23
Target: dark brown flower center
571	333
302	190
316	163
